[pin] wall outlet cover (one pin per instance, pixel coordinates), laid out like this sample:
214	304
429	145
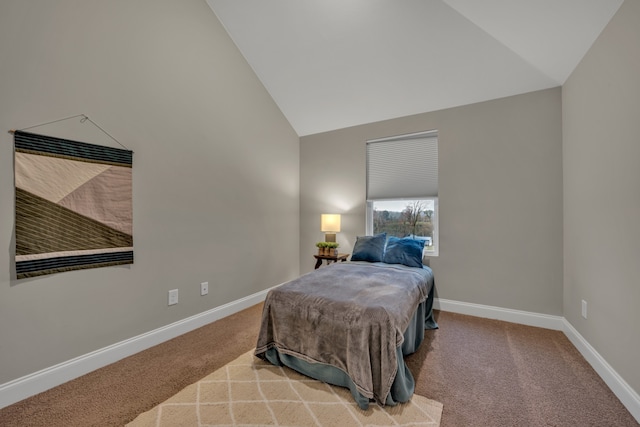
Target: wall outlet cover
173	297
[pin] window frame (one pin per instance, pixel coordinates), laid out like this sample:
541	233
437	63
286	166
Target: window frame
404	177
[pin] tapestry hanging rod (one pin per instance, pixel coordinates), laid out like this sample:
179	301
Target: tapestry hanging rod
83	119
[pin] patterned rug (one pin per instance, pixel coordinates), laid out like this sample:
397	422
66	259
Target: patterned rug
249	392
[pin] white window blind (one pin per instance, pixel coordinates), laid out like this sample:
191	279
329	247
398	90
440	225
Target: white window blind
404	167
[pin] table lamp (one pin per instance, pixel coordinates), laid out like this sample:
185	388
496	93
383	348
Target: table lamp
330	225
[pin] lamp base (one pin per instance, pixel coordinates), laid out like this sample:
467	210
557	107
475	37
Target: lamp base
330	237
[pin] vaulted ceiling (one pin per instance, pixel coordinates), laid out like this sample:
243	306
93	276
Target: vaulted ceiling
330	64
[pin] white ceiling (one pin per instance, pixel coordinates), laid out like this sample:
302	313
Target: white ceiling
330	64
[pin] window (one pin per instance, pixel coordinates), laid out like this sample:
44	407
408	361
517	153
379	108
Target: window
402	187
406	218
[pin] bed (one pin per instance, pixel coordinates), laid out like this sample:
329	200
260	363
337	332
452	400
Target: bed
351	324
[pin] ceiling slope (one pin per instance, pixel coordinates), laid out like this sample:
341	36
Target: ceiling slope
331	64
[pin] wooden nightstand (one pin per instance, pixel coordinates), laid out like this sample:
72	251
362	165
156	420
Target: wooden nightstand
330	258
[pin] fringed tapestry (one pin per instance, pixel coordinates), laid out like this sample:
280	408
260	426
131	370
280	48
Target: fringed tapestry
73	205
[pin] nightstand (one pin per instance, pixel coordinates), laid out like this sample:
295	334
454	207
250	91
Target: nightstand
330	258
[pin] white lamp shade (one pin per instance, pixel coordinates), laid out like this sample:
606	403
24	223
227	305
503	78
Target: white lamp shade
330	223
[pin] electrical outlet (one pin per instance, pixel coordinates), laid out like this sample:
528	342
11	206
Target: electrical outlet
204	288
173	297
584	309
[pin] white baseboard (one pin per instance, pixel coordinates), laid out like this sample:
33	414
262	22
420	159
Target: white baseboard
546	321
627	395
37	382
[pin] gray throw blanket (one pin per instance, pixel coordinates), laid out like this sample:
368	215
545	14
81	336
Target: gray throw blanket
349	315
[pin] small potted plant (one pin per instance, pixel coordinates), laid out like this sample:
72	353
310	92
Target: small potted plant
332	248
322	248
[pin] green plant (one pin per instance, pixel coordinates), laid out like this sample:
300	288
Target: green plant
322	245
332	245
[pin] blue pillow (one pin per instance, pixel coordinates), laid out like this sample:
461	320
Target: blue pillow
369	248
406	251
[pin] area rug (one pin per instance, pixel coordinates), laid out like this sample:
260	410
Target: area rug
249	392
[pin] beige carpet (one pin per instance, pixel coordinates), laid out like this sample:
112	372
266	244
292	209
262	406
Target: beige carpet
248	391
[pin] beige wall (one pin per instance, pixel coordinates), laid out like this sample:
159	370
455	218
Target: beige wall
601	137
500	198
216	168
